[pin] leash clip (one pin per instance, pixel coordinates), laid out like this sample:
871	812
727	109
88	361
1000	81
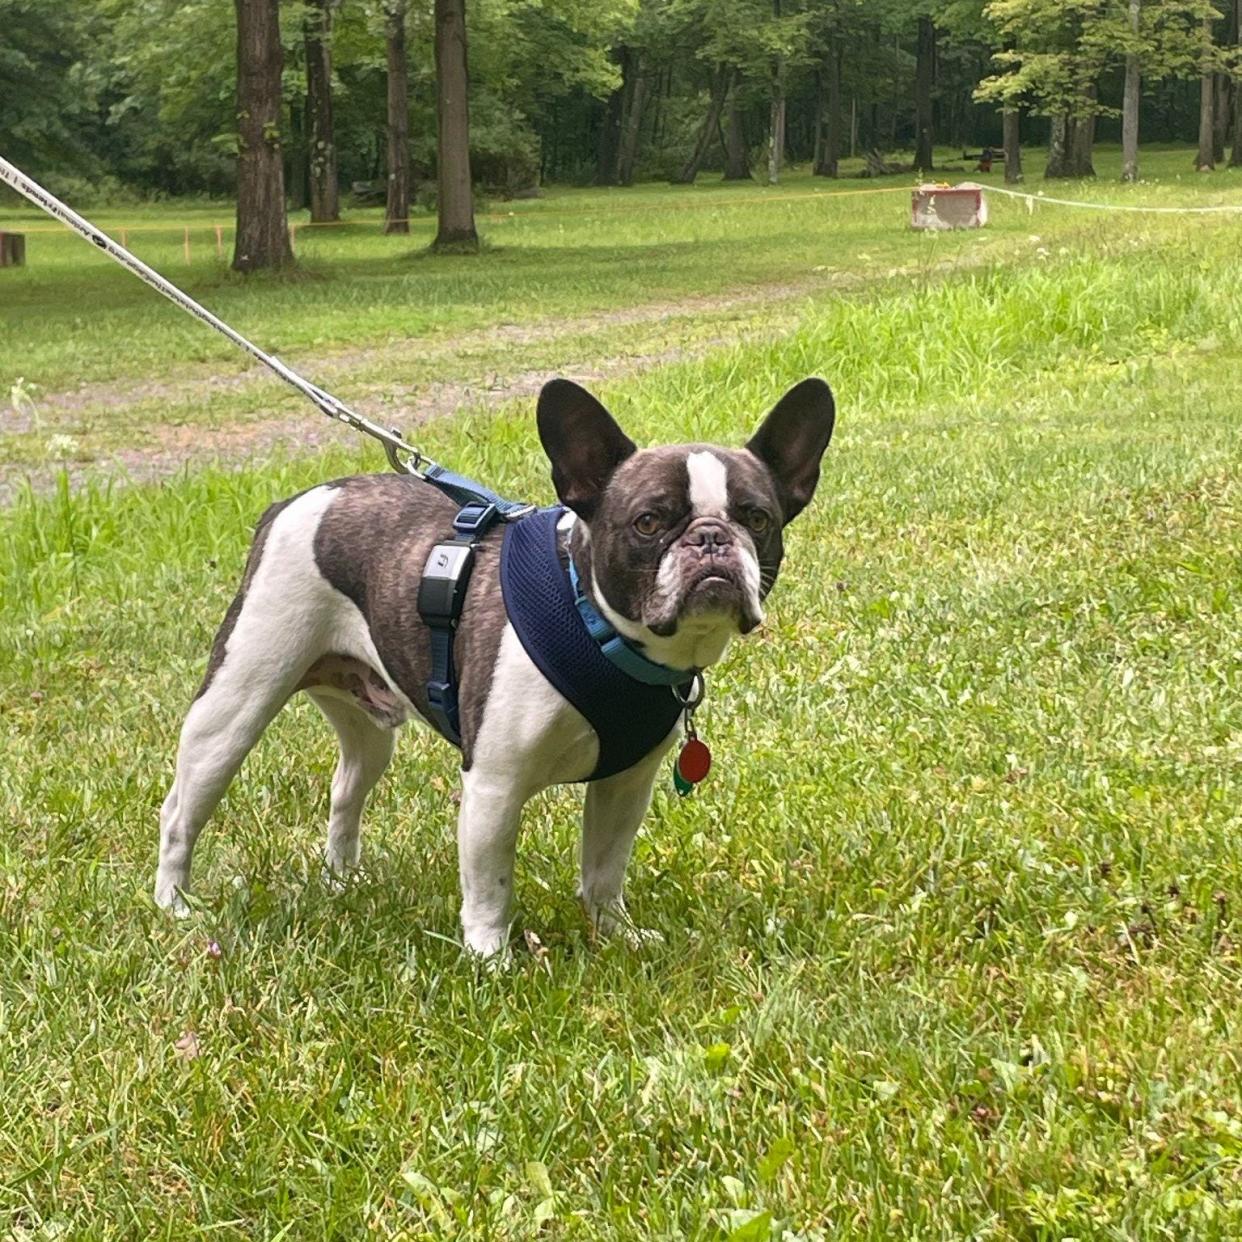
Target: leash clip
412	464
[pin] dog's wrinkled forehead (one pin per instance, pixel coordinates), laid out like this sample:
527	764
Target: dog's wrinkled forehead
695	480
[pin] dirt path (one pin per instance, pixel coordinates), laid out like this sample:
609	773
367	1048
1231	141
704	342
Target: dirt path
324	367
167	448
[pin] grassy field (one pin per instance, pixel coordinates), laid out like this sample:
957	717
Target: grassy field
952	940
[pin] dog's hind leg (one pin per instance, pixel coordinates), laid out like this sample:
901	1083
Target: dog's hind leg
366	749
271	635
218	733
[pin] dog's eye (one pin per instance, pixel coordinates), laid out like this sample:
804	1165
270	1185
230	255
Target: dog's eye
646	523
758	520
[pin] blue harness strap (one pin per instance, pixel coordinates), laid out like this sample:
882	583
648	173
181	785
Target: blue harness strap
471	494
445	577
630	715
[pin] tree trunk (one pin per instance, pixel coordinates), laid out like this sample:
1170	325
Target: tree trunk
737	153
924	74
722	81
776	129
817	149
1058	147
1235	160
610	136
397	207
325	194
455	198
262	227
1205	160
1220	126
830	145
636	89
297	161
1011	138
608	141
1130	105
1081	146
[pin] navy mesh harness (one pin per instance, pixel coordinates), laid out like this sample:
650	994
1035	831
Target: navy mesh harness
630	718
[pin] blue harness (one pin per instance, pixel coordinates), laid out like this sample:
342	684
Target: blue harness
627	699
631	702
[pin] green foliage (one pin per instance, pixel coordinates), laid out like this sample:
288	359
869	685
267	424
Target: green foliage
47	98
110	96
1056	51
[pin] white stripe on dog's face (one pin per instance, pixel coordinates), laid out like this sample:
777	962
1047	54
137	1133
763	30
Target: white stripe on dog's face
709	484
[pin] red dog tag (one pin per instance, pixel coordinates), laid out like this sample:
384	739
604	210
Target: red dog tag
694	762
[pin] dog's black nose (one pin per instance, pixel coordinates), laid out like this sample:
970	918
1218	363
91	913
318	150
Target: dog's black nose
710	537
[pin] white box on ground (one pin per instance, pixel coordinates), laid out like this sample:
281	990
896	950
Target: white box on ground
961	206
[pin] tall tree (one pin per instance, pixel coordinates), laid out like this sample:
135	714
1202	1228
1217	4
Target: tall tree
397	203
1205	160
456	195
776	123
1011	122
1235	159
709	130
1056	52
1130	100
924	80
636	83
325	193
828	117
262	227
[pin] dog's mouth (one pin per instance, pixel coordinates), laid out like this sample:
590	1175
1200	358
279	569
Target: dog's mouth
712	577
713	588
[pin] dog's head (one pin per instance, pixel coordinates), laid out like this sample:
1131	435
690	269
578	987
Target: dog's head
680	545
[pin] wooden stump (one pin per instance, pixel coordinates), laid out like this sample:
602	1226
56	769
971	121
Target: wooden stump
12	249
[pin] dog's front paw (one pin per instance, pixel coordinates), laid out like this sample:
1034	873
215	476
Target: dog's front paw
168	897
612	922
489	944
336	873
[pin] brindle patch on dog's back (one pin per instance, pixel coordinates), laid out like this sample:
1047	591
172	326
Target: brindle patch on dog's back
371	545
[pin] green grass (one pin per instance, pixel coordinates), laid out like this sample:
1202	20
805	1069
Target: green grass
571	253
952	943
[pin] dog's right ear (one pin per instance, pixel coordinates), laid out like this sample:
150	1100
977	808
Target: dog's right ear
583	443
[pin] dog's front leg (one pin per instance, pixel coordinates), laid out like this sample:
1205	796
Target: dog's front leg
614	810
487	828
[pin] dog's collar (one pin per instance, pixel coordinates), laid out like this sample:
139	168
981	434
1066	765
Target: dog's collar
617	649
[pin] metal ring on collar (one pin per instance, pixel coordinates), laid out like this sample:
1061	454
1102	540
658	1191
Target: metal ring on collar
698	688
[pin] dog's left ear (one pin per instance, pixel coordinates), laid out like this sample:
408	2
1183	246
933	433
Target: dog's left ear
583	443
793	438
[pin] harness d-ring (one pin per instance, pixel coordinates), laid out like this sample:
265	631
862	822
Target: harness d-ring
691	699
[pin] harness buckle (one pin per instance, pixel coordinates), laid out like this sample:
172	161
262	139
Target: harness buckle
473	518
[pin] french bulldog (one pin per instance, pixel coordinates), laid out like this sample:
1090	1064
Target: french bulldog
676	547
